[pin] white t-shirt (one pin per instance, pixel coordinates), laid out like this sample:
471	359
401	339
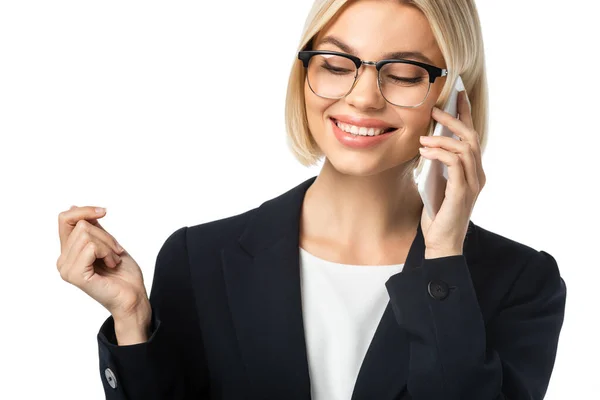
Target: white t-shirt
342	305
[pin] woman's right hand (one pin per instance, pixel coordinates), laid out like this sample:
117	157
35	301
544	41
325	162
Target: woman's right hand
92	260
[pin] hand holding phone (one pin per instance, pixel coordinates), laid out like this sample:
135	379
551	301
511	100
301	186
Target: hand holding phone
431	176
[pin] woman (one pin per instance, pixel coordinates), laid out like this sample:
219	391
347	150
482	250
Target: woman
342	287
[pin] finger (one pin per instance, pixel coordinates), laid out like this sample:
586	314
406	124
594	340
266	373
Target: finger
445	142
119	248
463	149
99	233
106	253
464	109
68	219
102	233
85	232
456	175
86	278
458	127
79	265
466	134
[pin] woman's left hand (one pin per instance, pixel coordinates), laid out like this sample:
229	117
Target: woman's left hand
445	234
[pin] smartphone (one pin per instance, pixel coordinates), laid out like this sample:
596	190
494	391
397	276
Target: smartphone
431	176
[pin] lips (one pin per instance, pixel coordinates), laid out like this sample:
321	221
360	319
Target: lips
389	129
363	122
358	142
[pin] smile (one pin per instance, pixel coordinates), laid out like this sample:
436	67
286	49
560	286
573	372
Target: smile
364	137
361	130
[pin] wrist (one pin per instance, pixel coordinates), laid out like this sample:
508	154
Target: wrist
133	328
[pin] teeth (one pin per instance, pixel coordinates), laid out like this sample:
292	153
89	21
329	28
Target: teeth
359	130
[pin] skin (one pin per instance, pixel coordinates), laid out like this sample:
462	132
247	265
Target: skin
358	211
92	260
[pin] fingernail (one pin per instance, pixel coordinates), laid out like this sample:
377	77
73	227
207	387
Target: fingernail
100	210
423	148
119	247
436	110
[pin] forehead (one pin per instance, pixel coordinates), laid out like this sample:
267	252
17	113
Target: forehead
375	27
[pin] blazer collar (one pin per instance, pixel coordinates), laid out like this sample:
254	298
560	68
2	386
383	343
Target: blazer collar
262	277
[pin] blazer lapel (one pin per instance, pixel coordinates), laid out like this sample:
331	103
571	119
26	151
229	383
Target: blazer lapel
384	371
262	277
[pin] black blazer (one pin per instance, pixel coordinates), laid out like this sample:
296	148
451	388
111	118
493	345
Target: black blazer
227	319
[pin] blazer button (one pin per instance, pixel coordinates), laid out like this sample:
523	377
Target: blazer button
110	378
438	289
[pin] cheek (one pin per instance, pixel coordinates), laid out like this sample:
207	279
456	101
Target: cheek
316	107
421	121
416	122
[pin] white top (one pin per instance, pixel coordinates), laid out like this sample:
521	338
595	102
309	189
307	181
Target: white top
342	305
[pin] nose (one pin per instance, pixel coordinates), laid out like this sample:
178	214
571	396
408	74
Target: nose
365	93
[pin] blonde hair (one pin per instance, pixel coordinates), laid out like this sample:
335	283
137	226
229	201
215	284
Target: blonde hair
456	28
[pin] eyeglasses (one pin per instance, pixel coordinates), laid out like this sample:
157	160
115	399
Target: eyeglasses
403	83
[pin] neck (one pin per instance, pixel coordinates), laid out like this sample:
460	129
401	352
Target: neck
362	211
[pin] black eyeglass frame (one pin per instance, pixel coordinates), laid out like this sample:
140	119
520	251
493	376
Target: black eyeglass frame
433	71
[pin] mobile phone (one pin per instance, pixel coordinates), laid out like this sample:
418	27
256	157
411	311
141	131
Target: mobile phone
431	176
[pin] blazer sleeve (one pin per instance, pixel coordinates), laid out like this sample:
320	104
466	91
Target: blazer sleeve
171	364
454	356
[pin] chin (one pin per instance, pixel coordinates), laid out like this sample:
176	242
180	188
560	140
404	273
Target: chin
356	164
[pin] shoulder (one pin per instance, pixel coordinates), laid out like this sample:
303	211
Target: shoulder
495	248
197	247
503	268
253	229
491	244
210	232
219	232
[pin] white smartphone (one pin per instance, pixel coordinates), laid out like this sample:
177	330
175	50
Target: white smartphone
431	176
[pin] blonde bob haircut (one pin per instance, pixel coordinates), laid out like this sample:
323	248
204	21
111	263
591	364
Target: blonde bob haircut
456	28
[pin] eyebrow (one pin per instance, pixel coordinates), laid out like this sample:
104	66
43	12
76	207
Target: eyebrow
417	55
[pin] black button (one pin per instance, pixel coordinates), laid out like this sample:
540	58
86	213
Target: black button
438	289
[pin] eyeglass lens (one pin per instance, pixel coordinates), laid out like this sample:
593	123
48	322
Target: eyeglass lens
402	84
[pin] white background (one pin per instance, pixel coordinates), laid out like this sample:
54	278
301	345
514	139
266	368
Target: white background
140	108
